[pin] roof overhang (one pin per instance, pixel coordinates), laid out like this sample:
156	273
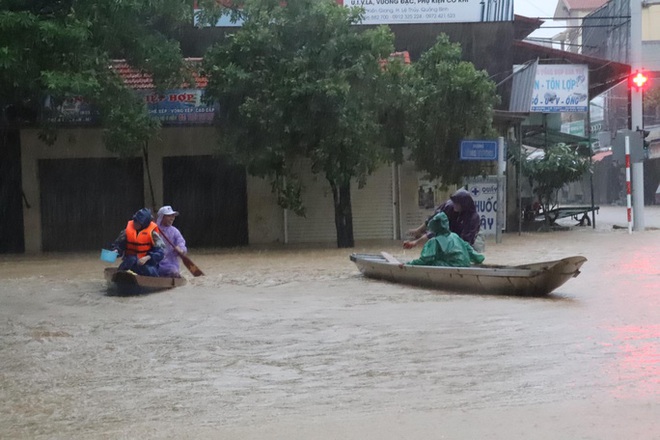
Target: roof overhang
524	26
508	118
603	74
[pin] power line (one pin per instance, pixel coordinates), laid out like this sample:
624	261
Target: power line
581	18
589	26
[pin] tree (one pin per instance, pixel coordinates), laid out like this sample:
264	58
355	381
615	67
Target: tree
299	80
560	165
51	50
454	101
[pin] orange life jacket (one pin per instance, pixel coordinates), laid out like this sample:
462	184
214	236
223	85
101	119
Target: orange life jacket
139	242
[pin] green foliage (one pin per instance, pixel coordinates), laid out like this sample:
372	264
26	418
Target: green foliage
60	49
395	99
453	101
298	81
210	11
560	165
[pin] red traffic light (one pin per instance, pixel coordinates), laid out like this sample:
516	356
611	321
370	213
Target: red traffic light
638	80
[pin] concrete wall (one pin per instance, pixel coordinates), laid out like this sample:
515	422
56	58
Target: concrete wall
265	224
650	20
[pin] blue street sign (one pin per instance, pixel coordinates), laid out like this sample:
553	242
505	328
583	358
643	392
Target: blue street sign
478	150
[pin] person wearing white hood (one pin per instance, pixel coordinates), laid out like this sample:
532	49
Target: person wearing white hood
175	244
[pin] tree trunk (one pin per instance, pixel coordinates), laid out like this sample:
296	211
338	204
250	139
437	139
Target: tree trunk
546	203
343	215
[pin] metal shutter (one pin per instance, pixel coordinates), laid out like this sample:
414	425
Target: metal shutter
372	209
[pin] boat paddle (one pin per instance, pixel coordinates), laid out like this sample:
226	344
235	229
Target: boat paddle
192	267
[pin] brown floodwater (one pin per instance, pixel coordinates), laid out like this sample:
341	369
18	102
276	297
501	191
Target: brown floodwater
293	343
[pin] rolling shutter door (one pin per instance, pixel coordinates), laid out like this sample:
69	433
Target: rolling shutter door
85	203
372	209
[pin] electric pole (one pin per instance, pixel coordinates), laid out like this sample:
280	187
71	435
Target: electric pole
637	112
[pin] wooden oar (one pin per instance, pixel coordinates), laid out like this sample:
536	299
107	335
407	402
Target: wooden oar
192	267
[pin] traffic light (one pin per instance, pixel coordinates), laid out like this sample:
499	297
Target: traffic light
638	80
645	143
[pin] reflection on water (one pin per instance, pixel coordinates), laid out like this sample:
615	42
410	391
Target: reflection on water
298	333
637	364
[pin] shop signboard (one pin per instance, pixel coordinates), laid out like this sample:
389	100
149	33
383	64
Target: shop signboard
179	107
484	193
412	11
172	107
75	110
560	88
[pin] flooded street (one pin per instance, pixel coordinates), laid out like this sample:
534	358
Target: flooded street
295	344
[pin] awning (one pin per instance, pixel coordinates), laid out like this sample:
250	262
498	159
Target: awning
538	137
534	153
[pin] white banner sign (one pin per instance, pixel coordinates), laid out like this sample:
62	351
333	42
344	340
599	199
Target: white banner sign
416	11
561	88
432	11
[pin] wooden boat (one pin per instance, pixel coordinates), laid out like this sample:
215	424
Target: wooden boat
533	279
128	283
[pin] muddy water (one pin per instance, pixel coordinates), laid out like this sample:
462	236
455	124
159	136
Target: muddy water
295	343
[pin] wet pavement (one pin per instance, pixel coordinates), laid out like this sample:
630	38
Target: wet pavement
293	343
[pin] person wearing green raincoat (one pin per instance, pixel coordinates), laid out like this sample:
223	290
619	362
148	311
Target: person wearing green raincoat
446	248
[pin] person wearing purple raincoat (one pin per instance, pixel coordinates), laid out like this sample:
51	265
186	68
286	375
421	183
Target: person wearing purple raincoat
174	241
463	220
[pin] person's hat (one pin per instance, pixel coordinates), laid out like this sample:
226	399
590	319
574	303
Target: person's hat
143	217
167	210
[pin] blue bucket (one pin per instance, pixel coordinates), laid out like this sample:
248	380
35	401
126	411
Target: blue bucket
109	256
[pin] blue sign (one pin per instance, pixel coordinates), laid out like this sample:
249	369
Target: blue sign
478	150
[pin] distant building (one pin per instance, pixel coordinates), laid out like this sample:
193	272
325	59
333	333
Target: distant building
574	12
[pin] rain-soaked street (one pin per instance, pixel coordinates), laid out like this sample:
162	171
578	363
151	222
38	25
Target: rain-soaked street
295	344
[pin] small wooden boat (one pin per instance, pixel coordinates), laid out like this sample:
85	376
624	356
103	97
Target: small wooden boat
128	283
533	279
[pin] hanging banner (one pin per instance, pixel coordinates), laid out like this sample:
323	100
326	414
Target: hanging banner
173	107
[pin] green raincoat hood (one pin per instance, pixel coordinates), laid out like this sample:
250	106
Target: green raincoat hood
439	224
446	248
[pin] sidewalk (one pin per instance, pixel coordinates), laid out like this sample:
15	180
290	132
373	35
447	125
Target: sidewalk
608	217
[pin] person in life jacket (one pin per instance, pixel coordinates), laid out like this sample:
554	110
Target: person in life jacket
140	245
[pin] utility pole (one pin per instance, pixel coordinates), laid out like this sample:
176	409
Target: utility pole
501	190
637	112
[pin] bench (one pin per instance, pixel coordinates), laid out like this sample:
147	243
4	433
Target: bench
578	213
